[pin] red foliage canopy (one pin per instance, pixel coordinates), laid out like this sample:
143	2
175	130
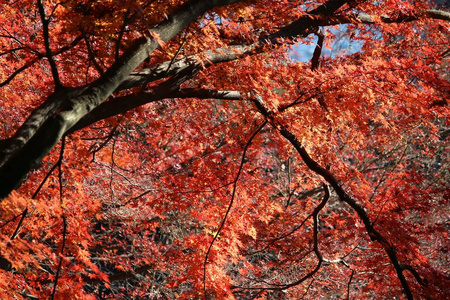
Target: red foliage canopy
195	149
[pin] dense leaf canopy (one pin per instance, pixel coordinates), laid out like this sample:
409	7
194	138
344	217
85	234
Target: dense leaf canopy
165	149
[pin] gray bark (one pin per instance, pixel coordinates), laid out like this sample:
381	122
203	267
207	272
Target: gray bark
69	109
64	108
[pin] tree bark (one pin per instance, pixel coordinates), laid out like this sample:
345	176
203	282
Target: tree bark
64	108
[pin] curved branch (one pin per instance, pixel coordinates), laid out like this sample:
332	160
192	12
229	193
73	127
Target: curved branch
186	64
166	90
343	195
319	256
233	195
316	250
295	228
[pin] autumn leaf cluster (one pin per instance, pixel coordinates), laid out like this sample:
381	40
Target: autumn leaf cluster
198	149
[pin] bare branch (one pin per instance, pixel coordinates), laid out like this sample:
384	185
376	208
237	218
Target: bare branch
64	231
69	46
16	232
32	62
126	19
349	284
13	51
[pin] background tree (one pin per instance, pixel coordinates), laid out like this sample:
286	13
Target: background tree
174	149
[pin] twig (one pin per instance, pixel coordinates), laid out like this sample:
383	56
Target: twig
58	270
24	214
349	283
231	202
316	250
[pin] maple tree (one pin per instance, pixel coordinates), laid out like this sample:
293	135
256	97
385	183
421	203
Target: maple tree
175	149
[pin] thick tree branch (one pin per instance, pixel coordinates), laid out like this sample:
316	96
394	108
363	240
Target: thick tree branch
122	104
438	14
315	60
310	20
187	64
167	90
73	105
210	57
39	115
64	112
370	19
300	27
